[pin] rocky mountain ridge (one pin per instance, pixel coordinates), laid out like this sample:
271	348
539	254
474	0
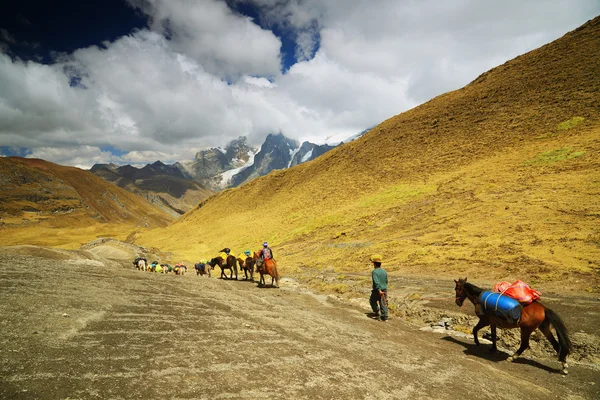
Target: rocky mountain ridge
180	186
163	185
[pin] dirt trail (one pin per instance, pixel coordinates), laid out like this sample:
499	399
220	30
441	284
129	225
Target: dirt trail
73	327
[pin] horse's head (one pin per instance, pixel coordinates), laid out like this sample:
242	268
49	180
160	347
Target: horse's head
461	291
258	261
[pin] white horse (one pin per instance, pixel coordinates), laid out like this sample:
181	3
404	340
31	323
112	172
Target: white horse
141	264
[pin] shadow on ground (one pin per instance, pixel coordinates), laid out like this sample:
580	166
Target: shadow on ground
483	351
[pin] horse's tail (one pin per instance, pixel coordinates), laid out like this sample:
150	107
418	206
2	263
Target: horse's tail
561	331
275	272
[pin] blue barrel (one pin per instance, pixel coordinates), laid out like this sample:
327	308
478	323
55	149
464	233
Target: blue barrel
503	307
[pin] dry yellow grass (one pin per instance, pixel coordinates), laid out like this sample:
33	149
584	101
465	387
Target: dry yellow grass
50	205
498	179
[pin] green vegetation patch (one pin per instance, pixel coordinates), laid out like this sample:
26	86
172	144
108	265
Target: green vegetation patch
570	123
399	194
563	126
345	216
554	156
547	135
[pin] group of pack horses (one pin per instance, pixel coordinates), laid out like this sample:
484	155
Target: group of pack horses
142	264
249	264
533	316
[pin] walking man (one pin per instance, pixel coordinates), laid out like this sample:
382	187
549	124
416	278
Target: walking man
378	298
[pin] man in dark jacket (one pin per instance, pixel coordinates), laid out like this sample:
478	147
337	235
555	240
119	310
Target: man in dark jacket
378	298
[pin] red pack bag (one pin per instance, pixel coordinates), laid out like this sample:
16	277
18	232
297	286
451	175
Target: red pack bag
518	290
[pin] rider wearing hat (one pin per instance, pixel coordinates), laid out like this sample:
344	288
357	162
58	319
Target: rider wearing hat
378	299
266	253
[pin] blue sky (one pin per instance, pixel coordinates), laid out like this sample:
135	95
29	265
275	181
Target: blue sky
41	28
133	81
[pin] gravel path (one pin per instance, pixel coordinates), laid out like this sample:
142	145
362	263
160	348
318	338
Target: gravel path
76	326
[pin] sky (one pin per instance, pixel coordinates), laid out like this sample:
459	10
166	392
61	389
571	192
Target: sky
135	81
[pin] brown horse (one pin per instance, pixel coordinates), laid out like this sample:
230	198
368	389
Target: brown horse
230	263
202	269
533	316
266	267
247	265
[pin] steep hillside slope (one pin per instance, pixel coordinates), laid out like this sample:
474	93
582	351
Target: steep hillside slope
163	185
498	179
45	203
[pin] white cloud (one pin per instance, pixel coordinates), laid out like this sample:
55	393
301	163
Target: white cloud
226	44
160	98
37	106
79	156
144	157
441	46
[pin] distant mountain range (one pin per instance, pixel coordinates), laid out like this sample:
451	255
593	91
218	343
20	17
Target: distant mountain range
277	152
179	187
161	184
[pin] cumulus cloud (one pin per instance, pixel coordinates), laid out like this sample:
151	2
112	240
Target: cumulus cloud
38	107
225	44
78	156
440	46
202	74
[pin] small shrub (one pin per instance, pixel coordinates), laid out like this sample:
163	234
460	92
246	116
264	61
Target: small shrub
554	156
340	288
414	296
547	135
570	123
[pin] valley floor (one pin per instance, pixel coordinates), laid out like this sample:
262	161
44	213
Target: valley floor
78	326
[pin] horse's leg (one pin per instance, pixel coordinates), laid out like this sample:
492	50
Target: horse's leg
494	337
545	328
525	333
483	322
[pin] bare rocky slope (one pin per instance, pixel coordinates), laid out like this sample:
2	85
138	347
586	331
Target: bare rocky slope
79	325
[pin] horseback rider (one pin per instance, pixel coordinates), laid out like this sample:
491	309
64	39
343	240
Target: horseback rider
266	253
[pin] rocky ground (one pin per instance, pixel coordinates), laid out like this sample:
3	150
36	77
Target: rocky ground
77	325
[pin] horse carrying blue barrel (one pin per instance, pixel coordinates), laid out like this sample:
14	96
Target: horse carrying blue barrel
501	306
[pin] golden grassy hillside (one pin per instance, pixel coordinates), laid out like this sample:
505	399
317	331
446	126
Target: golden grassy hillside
498	179
42	203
